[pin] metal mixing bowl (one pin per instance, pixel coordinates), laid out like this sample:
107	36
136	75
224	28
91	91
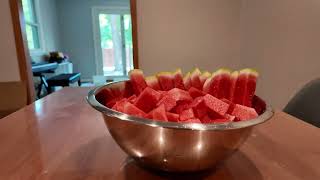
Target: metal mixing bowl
169	146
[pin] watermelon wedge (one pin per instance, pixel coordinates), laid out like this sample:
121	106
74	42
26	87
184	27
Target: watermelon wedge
131	109
219	84
204	76
258	104
195	79
250	86
152	81
159	113
233	93
166	80
187	114
245	87
137	81
187	81
173	117
194	92
147	100
244	112
178	79
216	104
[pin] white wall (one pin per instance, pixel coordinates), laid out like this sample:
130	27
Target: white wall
9	69
281	38
188	33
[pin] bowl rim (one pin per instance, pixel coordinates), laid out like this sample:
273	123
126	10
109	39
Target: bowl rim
91	99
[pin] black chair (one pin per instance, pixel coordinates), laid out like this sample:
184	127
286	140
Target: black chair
305	105
63	80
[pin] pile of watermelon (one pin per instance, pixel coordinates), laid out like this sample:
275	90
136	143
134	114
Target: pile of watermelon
196	97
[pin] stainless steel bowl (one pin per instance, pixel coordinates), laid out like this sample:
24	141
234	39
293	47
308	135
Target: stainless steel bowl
178	147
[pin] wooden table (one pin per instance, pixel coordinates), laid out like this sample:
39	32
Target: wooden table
61	137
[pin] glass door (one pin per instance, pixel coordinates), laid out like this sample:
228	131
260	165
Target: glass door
113	37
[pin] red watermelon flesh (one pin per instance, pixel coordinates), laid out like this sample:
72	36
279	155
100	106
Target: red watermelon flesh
162	93
258	104
234	78
131	109
187	114
204	76
152	81
194	92
179	94
173	117
159	113
206	119
178	79
166	80
229	117
250	87
231	105
137	81
181	105
195	79
244	112
168	101
132	99
112	102
187	81
193	120
225	85
105	96
201	110
211	85
221	121
218	85
147	100
216	104
119	106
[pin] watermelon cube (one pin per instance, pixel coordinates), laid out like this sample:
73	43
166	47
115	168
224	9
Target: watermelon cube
132	99
194	92
193	120
168	101
187	114
119	105
216	104
244	112
159	113
179	94
148	99
131	109
231	105
181	105
173	117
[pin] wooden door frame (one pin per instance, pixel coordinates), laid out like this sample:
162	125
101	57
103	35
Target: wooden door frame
24	57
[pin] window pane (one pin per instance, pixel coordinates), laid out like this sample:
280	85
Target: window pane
32	37
28	10
111	44
128	41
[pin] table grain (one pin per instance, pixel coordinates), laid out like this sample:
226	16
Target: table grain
62	137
